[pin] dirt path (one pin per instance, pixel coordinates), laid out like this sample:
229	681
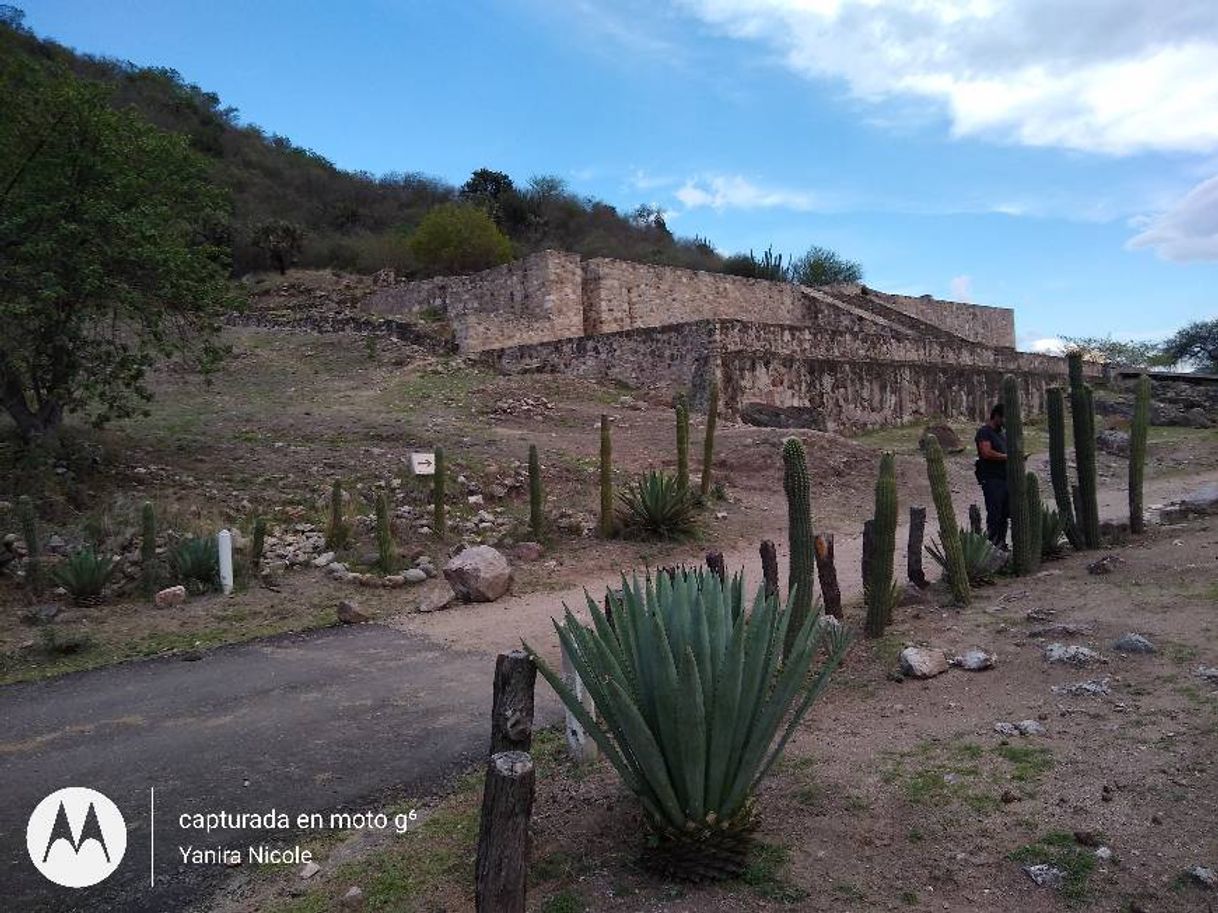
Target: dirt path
502	625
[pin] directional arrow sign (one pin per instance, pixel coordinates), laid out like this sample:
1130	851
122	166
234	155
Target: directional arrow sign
423	464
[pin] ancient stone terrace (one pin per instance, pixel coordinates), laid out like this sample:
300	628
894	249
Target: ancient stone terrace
841	357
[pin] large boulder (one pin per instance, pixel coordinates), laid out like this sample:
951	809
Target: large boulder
923	662
946	436
766	416
479	574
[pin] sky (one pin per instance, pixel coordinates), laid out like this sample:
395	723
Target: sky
1057	158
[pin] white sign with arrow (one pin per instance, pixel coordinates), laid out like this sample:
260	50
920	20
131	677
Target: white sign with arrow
423	464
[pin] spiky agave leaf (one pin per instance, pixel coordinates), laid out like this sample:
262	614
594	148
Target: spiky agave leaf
1052	532
982	559
84	575
658	506
692	693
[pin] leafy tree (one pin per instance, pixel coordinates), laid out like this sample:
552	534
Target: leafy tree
821	266
281	240
1196	343
458	238
111	250
1116	351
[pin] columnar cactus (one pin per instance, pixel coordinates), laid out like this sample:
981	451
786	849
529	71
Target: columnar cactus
384	536
682	443
877	589
1017	479
1035	519
259	543
708	446
800	546
536	517
148	562
1137	454
606	479
949	532
1058	474
28	519
335	527
439	519
1083	418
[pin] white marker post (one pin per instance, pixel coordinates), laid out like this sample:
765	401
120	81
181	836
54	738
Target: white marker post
224	544
580	746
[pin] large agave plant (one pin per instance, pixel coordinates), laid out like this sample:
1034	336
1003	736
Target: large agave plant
982	559
196	564
691	693
84	576
1052	532
658	506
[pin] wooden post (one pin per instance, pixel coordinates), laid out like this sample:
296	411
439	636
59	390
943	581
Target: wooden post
769	568
974	520
579	744
913	553
502	867
714	561
512	709
826	572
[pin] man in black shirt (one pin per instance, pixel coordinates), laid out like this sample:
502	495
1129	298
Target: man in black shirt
991	472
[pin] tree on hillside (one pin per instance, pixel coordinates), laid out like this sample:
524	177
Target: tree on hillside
281	240
111	251
821	266
1196	343
1116	351
458	238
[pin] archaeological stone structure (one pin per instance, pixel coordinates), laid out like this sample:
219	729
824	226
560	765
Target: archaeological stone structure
838	358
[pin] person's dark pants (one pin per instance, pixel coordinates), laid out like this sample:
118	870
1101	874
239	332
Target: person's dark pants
997	509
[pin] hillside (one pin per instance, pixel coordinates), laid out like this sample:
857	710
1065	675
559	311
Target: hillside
352	220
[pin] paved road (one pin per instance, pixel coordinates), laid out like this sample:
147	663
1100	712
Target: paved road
338	718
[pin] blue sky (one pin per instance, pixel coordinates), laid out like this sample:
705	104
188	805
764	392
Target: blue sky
1061	159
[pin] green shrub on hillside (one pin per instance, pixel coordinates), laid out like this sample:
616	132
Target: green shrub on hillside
458	238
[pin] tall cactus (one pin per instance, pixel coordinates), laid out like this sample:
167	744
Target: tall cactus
796	484
536	517
949	532
708	445
439	509
1083	418
877	589
384	536
606	479
28	519
1058	474
1017	480
336	528
1137	454
149	573
1035	512
682	443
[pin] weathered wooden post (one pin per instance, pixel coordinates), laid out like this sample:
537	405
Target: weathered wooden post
769	568
826	572
512	707
913	552
714	561
579	745
502	867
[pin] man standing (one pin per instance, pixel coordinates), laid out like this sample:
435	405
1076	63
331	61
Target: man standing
991	473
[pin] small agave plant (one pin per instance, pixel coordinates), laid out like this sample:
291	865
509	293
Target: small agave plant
981	558
694	704
84	576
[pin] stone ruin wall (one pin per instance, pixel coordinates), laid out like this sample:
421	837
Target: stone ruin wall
992	326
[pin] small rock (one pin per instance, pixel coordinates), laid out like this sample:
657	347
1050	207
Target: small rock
1007	729
309	869
527	551
1103	853
1133	643
1113	441
475	500
1045	875
921	662
435	595
1039	615
1204	876
976	660
1092	687
395	581
1073	654
349	613
479	574
1104	565
415	575
323	559
1209	673
170	597
911	596
353	899
1031	727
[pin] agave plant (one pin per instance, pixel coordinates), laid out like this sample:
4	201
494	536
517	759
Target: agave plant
1052	532
691	693
982	559
657	506
84	576
196	564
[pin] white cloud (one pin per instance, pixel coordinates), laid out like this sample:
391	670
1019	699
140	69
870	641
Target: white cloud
737	192
1186	231
1110	76
1047	345
961	288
